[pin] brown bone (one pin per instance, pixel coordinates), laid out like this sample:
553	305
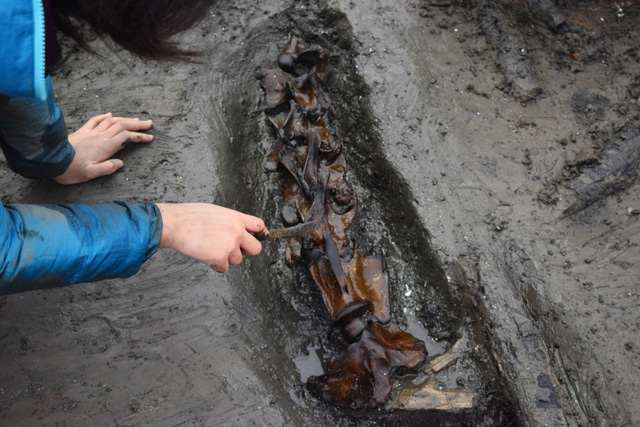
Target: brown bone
277	86
289	56
361	377
295	126
354	287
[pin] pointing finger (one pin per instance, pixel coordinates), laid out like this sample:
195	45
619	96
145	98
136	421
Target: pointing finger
254	224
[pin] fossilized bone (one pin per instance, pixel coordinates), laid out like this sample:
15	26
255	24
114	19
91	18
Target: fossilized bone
353	286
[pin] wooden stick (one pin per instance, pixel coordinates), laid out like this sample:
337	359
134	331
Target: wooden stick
430	396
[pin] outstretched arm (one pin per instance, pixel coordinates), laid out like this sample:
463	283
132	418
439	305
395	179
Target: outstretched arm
43	246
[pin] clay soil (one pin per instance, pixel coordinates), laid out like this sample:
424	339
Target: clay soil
469	160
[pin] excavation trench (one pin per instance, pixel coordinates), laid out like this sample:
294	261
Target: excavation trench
289	331
435	134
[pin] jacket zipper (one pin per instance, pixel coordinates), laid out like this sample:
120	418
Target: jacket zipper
39	50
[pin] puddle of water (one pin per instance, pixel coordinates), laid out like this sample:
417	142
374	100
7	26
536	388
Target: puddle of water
309	364
417	330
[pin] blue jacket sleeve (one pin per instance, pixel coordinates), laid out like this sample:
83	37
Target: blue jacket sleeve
43	246
33	136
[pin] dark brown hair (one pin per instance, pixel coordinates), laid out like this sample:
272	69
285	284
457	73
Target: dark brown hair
143	27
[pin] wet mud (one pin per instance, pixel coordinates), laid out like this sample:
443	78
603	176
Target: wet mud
493	152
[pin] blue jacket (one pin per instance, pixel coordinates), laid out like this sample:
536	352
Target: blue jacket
54	245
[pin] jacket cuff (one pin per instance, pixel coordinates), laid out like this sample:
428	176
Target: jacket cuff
155	229
33	136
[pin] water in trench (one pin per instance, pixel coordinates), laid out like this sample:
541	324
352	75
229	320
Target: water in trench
285	321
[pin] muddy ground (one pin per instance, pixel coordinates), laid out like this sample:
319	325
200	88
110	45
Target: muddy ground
466	126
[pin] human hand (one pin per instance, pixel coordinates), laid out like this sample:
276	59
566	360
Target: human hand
95	142
211	234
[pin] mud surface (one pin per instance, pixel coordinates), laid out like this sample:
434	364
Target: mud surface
471	131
